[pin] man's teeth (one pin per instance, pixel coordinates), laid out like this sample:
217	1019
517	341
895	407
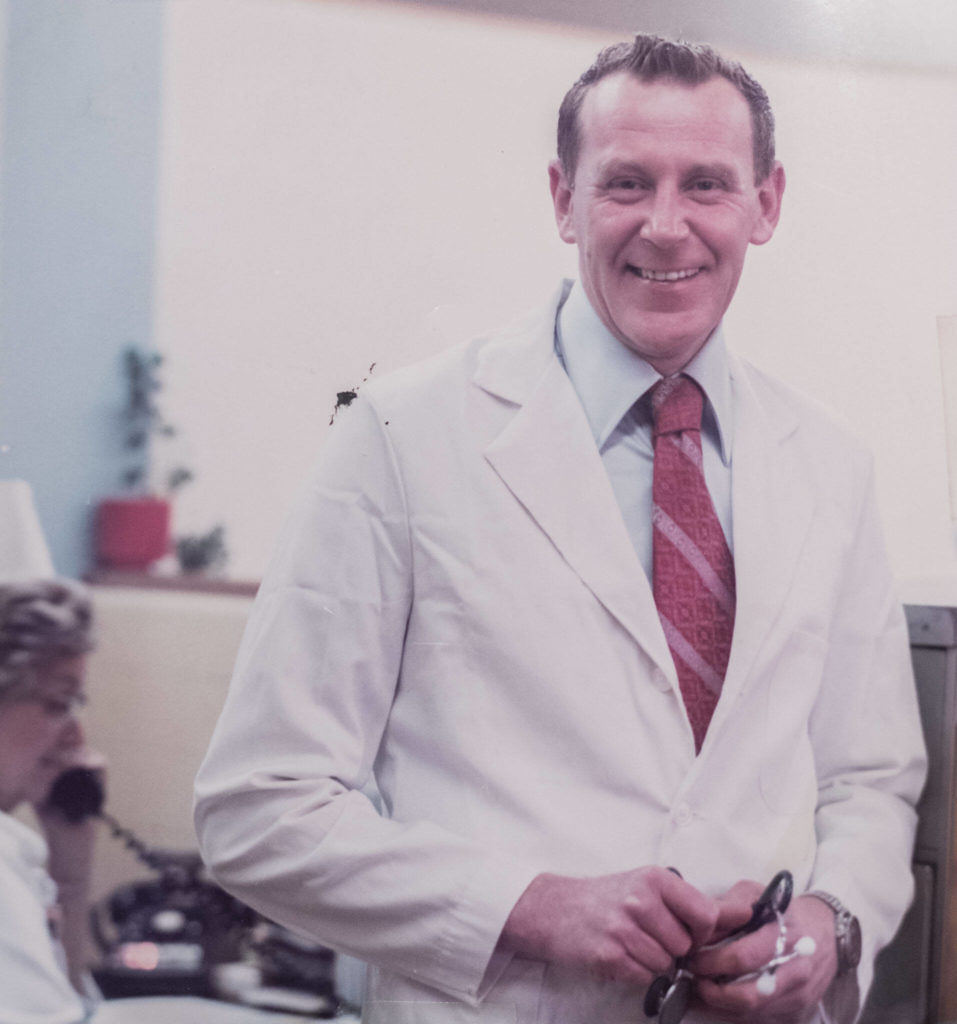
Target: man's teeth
665	275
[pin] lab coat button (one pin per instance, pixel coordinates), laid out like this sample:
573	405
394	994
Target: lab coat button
659	679
683	815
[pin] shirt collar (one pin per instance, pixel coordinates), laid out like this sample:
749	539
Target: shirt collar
609	377
19	841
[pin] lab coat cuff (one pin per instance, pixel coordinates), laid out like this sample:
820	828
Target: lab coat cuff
470	963
843	1000
841	1003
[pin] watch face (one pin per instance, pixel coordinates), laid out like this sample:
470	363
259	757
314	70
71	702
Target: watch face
852	950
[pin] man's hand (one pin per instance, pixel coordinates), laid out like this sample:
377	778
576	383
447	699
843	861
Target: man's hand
799	984
624	927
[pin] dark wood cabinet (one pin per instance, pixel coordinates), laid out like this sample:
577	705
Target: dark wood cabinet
915	978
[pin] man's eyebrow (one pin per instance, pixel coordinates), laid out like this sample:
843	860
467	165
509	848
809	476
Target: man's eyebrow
619	166
725	172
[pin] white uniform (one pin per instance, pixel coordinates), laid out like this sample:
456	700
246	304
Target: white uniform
34	987
456	608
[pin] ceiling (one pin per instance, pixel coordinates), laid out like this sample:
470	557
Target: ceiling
922	33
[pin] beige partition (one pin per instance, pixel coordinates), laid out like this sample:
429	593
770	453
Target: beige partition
157	681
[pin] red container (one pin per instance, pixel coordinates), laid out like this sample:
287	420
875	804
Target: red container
132	533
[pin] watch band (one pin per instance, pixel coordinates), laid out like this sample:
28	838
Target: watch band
847	931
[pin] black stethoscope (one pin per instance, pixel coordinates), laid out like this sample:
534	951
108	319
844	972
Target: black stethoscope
669	995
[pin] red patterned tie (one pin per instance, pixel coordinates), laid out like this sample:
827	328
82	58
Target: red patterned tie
693	572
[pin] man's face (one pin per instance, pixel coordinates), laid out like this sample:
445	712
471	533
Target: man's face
662	209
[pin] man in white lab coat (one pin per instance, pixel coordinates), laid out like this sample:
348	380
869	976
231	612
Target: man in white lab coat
461	609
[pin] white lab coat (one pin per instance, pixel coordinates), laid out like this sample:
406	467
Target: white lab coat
455	608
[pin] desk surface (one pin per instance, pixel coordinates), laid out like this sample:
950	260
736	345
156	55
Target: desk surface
190	1010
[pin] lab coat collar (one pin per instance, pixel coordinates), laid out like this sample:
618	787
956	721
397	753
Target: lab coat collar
546	456
772	518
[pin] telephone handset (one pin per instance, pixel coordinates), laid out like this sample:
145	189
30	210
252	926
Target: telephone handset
78	794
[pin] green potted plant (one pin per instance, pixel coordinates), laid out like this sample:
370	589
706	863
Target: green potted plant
203	552
133	530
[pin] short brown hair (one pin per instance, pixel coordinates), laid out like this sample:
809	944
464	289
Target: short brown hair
651	57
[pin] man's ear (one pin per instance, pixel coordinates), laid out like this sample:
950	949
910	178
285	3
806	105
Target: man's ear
562	195
770	193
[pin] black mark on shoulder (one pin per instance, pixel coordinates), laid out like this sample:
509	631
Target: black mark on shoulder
346	398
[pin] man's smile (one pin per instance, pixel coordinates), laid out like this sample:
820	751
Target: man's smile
664	275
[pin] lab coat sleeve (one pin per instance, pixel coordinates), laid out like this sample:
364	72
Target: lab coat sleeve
281	820
870	756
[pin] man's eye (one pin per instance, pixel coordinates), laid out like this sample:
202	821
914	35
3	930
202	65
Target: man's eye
706	185
626	186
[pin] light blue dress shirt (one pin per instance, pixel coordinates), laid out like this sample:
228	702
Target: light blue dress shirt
612	383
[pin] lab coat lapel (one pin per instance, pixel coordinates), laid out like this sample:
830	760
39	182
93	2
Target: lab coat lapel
772	515
547	458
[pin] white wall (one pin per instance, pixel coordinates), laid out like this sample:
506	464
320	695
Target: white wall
843	302
349	183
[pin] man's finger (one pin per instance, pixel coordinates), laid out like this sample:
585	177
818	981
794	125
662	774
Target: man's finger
644	949
735	908
741	956
697	913
745	999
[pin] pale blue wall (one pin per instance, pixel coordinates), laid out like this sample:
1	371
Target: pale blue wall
78	177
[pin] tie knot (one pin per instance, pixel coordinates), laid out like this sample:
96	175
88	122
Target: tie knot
676	405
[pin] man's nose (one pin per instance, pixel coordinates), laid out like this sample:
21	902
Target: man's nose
665	223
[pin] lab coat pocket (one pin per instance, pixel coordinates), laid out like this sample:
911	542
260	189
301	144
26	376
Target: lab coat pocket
516	994
513	999
576	997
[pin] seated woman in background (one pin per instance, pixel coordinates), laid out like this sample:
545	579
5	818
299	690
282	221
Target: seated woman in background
44	639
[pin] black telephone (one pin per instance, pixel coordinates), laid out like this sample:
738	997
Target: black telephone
167	934
161	935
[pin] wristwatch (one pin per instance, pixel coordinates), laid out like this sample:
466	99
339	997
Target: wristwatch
847	932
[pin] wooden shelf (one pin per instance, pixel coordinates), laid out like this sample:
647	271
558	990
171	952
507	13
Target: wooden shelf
197	583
